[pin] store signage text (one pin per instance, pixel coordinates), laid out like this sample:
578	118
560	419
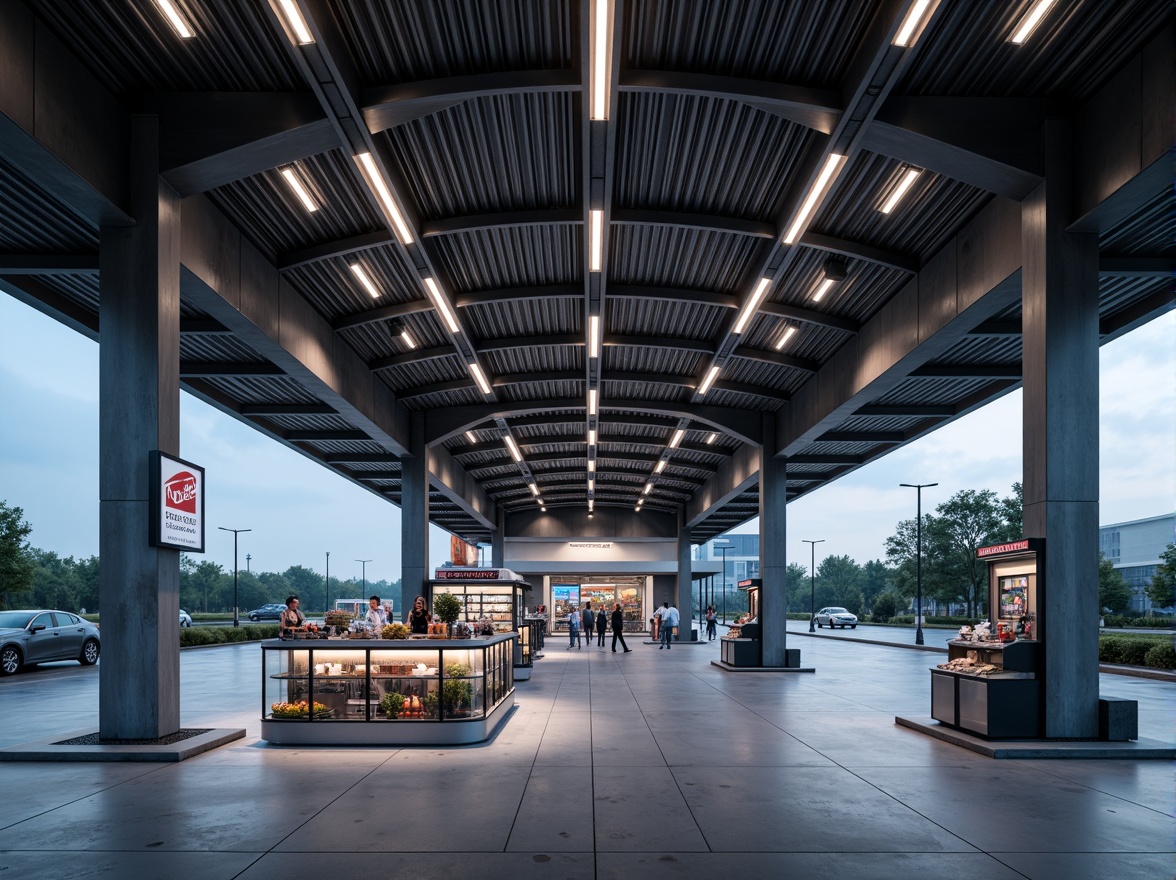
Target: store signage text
998	549
590	545
177	502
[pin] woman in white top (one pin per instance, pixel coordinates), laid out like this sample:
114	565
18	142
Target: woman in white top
376	617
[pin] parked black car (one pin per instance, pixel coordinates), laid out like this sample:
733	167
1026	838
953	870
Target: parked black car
268	612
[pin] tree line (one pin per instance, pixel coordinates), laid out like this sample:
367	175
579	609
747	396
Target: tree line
35	578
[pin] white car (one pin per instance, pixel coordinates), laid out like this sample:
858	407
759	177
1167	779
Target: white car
833	616
185	618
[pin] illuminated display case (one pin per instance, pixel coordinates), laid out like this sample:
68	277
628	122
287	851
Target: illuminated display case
382	692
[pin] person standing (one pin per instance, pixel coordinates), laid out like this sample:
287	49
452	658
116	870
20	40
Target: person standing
574	629
601	625
291	618
669	622
419	618
587	622
710	623
376	618
618	628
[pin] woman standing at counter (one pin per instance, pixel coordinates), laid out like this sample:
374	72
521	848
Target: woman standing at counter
419	618
291	618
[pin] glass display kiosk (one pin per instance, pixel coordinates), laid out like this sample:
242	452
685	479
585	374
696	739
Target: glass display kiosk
742	645
386	692
990	684
494	594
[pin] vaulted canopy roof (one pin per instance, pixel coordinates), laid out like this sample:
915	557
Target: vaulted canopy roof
592	250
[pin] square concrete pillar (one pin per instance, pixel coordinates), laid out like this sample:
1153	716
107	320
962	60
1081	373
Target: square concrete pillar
773	499
139	411
1060	366
414	518
685	600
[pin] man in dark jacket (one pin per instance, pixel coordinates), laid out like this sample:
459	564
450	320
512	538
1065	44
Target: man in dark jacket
601	625
618	628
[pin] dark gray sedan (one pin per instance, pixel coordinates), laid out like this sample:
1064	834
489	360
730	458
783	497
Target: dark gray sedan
28	637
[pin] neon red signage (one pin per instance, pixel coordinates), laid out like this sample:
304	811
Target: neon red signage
999	549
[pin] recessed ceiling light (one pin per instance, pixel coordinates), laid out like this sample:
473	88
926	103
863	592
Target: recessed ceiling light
595	240
909	176
592	393
294	21
299	190
1030	22
441	304
712	374
375	180
479	377
594	336
364	279
824	180
600	40
591	437
789	332
175	19
909	30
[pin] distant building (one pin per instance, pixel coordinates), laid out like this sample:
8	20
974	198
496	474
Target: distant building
742	556
1134	549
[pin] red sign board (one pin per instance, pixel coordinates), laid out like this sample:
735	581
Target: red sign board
470	574
1000	549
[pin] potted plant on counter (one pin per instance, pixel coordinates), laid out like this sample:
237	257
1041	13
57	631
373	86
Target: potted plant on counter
457	691
392	704
447	608
394	631
338	619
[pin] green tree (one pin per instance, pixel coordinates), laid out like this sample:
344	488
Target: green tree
1011	512
885	607
900	551
839	581
1161	589
798	587
201	585
876	579
86	572
54	581
1113	593
967	521
16	562
310	586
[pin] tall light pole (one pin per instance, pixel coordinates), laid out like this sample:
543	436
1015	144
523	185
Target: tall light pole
248	557
918	487
723	549
813	581
327	601
236	618
364	562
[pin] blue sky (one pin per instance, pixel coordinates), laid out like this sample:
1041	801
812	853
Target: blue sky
298	510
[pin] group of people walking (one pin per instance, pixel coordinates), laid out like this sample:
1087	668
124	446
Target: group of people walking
587	620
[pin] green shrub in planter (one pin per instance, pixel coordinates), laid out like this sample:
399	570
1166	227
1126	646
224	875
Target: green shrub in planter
1135	651
1161	656
1110	650
447	607
392	704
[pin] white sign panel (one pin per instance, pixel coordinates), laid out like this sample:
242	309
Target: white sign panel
177	503
590	545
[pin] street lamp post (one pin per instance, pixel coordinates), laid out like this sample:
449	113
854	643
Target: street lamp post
364	562
918	487
813	581
327	601
236	618
248	558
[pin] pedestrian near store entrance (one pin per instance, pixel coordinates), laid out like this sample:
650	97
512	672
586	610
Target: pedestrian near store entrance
574	628
601	626
710	623
587	623
669	622
618	628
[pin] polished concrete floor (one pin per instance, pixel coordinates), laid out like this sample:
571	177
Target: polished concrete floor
647	765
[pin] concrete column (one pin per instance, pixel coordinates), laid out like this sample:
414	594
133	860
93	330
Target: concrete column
1060	363
498	541
685	601
773	499
414	518
139	410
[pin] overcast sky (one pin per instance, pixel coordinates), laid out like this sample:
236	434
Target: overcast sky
299	510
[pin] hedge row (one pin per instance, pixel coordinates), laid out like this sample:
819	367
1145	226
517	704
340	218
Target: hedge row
222	635
1118	620
1156	653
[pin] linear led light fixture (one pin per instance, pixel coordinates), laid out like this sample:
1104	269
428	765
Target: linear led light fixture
592	395
661	466
711	438
712	374
834	273
824	180
909	176
600	40
364	279
292	17
441	304
479	377
175	19
648	488
910	29
789	332
512	448
677	438
469	435
591	437
591	505
594	336
543	507
375	180
534	489
299	190
751	305
1030	22
595	240
591	484
400	330
592	465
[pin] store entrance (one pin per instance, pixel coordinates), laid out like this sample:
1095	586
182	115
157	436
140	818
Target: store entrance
572	591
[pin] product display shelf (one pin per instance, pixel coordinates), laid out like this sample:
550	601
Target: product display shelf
385	692
1002	704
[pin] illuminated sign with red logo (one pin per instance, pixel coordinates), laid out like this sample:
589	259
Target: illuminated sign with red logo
177	504
1001	549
